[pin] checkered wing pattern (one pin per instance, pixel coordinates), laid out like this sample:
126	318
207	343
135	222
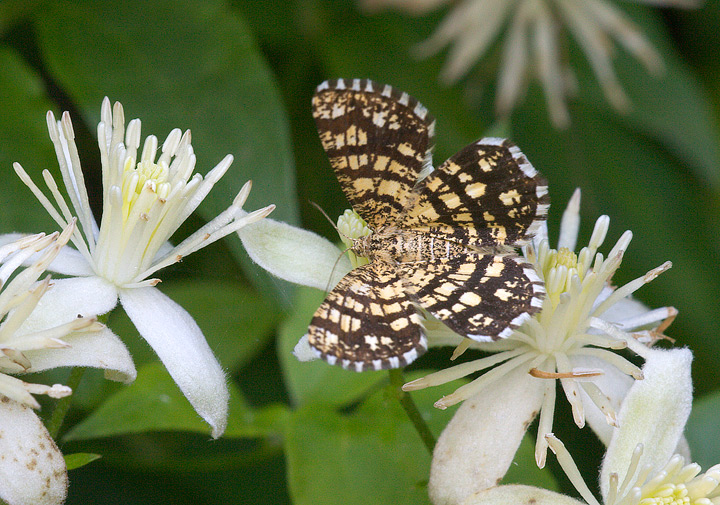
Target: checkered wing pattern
441	239
367	322
378	141
481	296
487	195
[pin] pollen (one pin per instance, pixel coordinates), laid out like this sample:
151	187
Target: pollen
566	257
669	494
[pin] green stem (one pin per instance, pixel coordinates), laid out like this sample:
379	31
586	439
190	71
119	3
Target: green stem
396	382
63	404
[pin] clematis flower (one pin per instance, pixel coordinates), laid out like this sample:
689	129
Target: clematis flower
32	469
572	340
533	44
639	466
146	198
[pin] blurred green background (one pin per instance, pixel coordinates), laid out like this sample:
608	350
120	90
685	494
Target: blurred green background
240	75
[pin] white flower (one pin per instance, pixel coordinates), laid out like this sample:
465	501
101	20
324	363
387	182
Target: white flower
639	467
582	321
145	200
32	469
533	45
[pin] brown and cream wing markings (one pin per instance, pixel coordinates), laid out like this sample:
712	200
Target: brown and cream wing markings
442	240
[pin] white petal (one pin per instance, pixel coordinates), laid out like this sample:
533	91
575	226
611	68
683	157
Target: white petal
95	349
613	383
296	255
479	443
69	261
181	346
516	494
69	298
626	308
32	469
654	414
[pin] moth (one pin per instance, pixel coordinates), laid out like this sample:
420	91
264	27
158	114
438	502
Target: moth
443	240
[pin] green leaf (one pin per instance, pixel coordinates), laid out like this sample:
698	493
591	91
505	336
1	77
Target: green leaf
154	403
317	381
372	455
180	64
24	138
236	320
79	459
703	431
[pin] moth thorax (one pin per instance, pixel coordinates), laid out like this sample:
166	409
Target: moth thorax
363	246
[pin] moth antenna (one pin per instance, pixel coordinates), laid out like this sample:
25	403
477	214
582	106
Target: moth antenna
332	223
327	286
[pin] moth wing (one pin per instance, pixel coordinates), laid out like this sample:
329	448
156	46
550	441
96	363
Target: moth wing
378	140
480	296
487	194
367	322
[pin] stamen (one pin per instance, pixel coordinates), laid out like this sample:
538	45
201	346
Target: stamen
601	401
570	223
460	349
570	468
585	339
547	414
471	389
631	287
575	374
621	245
54	391
570	387
458	371
599	232
632	468
25	178
612	358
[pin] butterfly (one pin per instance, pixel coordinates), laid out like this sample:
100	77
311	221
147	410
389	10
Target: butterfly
442	240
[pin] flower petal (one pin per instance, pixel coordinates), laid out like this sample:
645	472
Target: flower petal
623	309
662	400
479	443
70	261
517	493
32	469
296	255
69	298
96	349
181	346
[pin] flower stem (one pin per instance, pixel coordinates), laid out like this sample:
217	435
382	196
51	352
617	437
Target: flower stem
396	382
63	404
